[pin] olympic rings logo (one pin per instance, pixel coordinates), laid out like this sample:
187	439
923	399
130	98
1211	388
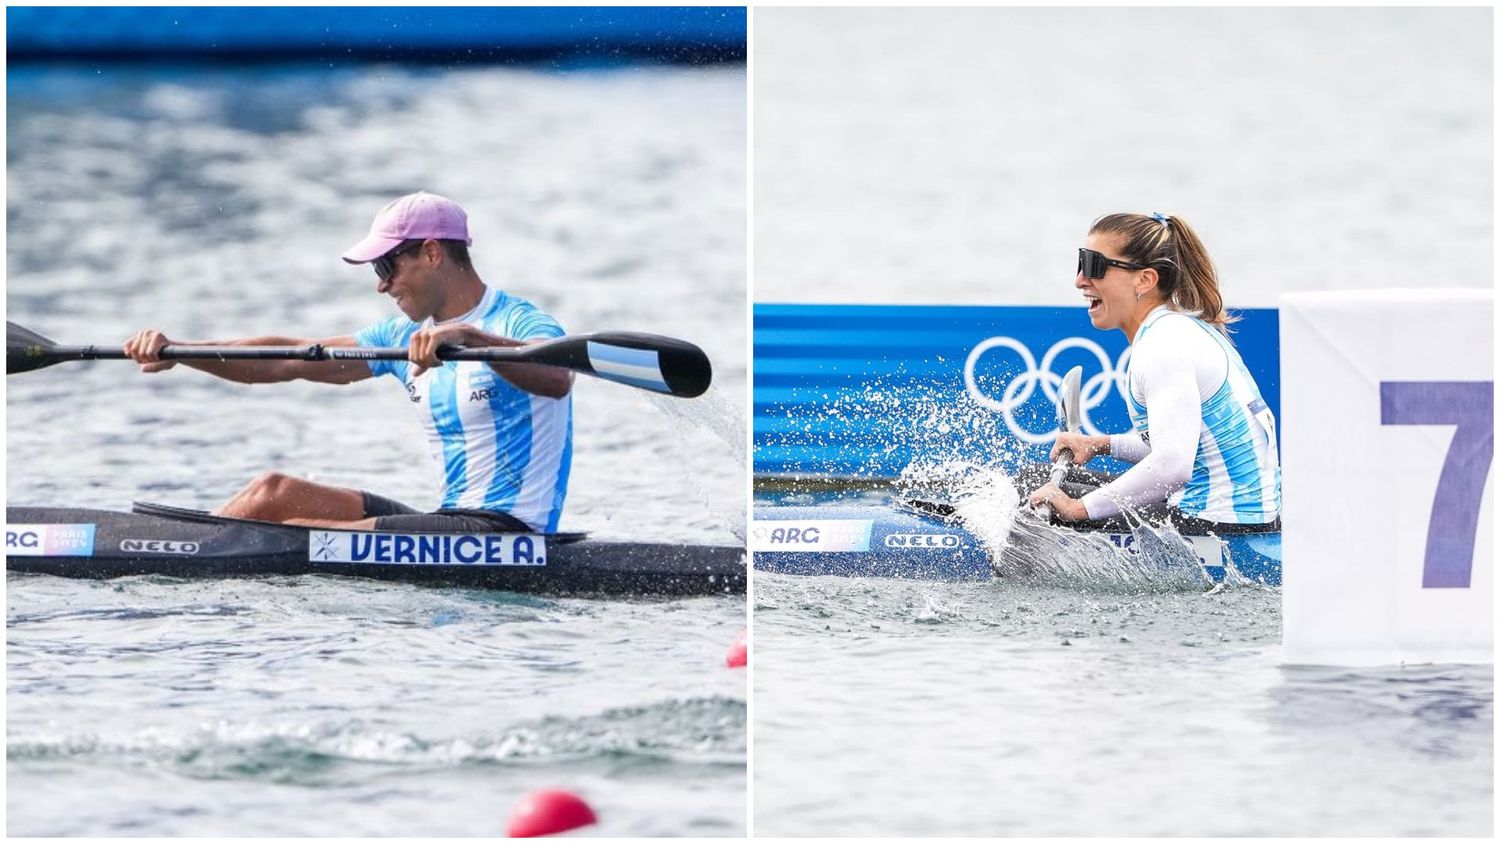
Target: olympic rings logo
1019	390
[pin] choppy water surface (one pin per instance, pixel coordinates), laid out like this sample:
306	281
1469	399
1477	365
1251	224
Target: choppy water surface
315	707
1019	709
215	203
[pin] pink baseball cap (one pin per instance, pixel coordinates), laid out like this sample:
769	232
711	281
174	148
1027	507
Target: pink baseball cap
416	215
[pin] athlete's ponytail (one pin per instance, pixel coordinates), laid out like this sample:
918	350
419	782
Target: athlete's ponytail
1185	275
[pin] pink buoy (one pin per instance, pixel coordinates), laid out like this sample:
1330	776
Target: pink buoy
739	651
548	812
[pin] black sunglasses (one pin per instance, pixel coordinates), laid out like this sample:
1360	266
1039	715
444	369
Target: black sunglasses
1094	264
385	265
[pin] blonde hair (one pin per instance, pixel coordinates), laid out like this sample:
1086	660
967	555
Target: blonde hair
1185	275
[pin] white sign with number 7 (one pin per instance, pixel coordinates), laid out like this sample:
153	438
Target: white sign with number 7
1388	440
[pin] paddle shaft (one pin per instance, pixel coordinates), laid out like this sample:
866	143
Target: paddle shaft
315	352
58	354
645	361
1059	471
1068	417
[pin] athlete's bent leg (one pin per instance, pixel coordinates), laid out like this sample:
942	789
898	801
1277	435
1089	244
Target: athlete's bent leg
274	497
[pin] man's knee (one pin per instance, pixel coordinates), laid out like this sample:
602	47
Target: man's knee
271	485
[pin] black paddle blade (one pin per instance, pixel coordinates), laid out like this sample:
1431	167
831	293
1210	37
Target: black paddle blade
646	361
660	364
26	350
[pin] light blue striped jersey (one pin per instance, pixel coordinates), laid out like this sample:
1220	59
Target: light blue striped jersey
1236	475
501	448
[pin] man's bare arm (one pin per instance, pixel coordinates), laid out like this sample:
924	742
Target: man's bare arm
145	349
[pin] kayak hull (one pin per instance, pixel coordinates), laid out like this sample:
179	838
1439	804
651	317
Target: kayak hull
869	540
84	543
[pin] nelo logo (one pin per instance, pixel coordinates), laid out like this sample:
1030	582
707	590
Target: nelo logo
158	546
922	540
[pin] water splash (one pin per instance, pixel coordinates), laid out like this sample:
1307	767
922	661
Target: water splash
723	419
985	500
870	427
712	412
1158	559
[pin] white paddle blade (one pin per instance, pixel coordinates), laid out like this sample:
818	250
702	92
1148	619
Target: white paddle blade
1069	402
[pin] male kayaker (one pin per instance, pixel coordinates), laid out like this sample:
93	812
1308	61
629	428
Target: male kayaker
502	431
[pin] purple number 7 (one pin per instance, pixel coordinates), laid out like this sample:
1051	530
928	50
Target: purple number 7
1455	508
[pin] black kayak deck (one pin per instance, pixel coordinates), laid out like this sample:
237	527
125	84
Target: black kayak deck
158	539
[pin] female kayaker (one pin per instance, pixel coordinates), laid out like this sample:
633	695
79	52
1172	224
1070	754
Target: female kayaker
1204	441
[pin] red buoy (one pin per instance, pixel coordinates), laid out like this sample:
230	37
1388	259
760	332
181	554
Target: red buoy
739	652
548	812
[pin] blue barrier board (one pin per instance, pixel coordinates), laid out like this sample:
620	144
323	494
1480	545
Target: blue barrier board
701	33
861	391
